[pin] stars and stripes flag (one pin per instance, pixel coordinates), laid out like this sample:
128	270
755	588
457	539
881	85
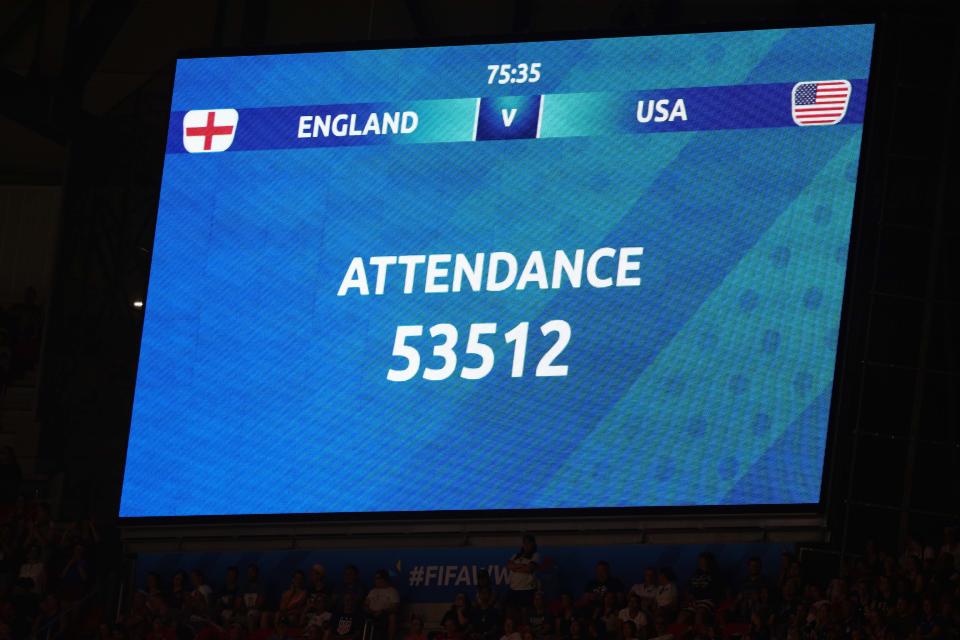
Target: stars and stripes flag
820	102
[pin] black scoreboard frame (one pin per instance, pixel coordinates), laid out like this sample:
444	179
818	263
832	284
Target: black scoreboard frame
794	522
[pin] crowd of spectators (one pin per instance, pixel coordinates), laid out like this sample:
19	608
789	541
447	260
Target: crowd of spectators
187	606
877	595
48	577
46	568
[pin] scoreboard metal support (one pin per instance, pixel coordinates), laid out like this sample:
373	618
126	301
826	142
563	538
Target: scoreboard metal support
806	528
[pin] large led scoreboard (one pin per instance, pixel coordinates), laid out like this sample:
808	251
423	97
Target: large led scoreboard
573	274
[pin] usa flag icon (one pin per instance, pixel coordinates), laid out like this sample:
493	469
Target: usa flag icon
820	102
209	130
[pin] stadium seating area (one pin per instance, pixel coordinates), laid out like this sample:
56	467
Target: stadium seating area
49	589
47	572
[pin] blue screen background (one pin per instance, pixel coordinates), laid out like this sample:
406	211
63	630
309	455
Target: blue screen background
260	391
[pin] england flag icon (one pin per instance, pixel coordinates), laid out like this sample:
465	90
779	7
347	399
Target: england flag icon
209	130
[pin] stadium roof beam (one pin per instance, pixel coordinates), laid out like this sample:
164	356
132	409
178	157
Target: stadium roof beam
26	15
52	112
89	43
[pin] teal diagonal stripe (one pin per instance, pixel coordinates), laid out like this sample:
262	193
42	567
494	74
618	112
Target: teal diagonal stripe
757	352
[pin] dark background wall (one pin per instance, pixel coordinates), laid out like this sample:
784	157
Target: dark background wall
86	87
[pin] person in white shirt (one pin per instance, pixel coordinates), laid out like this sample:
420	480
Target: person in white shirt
647	590
523	566
198	603
382	603
633	612
33	569
667	595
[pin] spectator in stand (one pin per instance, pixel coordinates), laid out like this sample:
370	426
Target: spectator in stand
607	618
668	598
602	582
178	591
17	519
633	612
293	601
951	546
759	629
749	595
576	631
9	553
628	630
75	577
201	596
314	632
161	630
647	590
353	585
459	612
450	631
705	583
566	614
416	631
33	569
40	530
153	586
932	623
279	631
884	597
539	619
228	597
20	608
317	608
510	630
523	567
317	612
252	598
136	623
484	582
49	622
318	582
110	632
788	569
705	622
382	605
912	549
484	619
683	624
785	610
871	561
81	531
157	609
595	631
348	621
